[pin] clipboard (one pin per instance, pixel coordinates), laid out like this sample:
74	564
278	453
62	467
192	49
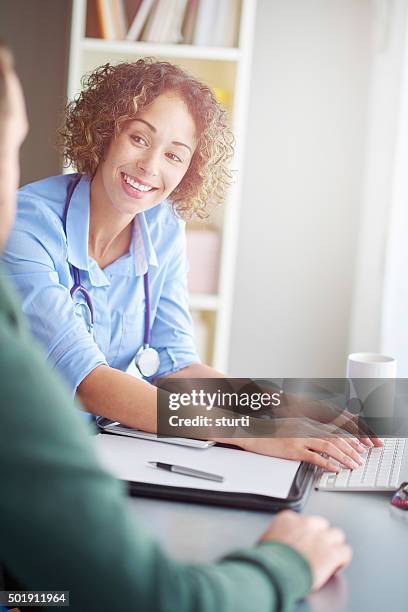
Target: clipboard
297	496
120	456
114	427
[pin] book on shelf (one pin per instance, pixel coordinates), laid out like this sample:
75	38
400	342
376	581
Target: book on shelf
197	22
139	20
190	16
119	18
93	25
217	23
131	7
177	24
226	26
156	21
205	22
165	21
106	19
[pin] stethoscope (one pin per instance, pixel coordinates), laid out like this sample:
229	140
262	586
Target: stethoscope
147	359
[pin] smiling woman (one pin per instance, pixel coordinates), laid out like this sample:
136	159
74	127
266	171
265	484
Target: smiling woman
114	96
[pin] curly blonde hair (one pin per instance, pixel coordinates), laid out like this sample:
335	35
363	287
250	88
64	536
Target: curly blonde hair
112	94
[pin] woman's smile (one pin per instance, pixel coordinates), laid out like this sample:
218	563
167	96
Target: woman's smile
135	187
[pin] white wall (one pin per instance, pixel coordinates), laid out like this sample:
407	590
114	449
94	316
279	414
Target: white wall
378	317
302	188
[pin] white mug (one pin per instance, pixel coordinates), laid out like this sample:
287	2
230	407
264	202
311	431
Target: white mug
371	365
375	395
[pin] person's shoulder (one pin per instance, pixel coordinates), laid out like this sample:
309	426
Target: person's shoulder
46	196
41	207
50	187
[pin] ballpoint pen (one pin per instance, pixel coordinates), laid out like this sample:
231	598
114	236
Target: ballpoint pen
186	471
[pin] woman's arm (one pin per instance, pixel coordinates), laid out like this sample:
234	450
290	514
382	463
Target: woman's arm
133	402
124	398
120	397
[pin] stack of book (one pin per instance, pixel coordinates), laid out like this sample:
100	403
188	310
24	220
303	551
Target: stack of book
197	22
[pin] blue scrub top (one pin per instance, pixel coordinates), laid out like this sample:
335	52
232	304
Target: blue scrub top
38	257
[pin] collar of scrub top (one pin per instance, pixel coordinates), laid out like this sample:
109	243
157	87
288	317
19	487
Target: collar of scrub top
79	189
76	226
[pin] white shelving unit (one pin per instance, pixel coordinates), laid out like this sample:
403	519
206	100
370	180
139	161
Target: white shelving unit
219	67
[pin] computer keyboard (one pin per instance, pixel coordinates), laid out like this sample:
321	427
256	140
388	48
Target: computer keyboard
380	471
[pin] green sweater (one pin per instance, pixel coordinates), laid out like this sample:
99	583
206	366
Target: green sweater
63	520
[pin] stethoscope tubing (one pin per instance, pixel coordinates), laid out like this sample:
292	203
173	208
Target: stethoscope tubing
78	288
146	339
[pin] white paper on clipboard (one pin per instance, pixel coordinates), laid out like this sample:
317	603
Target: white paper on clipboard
244	472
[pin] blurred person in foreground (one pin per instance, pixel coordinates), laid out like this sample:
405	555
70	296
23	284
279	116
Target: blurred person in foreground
63	519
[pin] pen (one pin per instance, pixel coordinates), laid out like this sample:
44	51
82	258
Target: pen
186	471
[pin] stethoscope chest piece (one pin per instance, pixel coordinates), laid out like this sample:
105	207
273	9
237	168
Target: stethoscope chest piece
147	361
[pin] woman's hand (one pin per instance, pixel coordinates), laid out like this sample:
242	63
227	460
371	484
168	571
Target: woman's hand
319	445
326	413
354	425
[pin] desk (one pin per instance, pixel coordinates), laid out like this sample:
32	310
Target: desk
375	580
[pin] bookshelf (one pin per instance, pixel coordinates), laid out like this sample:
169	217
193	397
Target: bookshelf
223	68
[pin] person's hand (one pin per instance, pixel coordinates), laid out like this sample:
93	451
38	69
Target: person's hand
301	406
324	547
316	443
354	425
327	413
